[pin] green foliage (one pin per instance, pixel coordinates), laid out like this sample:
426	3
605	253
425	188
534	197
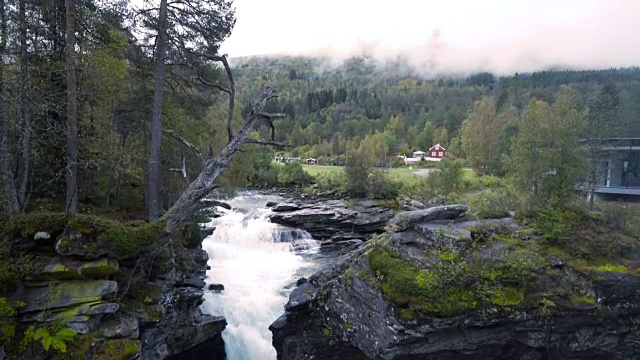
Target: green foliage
612	268
481	135
381	186
8	321
490	204
20	265
556	222
623	216
122	240
55	339
506	296
331	181
453	284
546	156
357	169
444	183
294	174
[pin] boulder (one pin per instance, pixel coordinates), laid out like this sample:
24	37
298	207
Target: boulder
271	204
212	203
408	219
216	287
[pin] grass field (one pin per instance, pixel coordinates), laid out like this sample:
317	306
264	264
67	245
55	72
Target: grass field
401	172
319	169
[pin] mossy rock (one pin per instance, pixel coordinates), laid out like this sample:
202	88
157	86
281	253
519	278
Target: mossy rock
67	293
100	269
72	269
118	349
82	235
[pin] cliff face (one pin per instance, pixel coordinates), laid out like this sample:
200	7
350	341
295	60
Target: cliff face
431	288
81	272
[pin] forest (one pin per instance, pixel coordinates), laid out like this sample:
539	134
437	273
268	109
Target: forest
331	107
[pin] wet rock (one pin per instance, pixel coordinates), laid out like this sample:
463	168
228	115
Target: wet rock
208	231
408	219
120	328
213	203
106	308
190	280
335	219
216	287
81	328
186	333
271	204
285	207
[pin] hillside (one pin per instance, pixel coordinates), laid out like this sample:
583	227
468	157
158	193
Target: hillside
331	105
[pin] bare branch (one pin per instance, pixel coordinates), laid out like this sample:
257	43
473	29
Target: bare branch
272	116
183	172
184	142
232	94
267	142
269	118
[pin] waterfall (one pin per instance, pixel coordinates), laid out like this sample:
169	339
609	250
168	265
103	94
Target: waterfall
256	261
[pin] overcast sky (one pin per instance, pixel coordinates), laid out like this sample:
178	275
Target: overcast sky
446	35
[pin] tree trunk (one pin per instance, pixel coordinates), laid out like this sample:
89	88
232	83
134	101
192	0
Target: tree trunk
25	111
9	193
72	110
189	201
155	169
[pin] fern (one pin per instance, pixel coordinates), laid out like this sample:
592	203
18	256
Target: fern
57	341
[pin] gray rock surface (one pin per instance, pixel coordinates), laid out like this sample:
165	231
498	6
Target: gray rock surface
408	219
339	314
334	220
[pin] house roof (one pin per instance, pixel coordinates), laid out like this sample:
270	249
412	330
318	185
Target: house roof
437	145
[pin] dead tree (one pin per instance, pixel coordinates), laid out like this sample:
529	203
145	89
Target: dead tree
213	166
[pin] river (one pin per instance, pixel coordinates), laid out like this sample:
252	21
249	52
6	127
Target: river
257	262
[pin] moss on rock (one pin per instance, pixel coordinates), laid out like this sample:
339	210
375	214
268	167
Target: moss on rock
118	349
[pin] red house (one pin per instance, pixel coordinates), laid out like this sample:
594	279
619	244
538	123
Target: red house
437	151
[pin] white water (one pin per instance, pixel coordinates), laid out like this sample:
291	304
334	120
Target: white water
255	260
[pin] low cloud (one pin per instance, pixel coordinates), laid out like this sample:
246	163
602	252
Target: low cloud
609	42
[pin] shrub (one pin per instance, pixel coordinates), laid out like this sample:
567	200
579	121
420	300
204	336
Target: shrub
491	204
441	185
623	216
7	320
331	181
266	176
357	171
381	186
294	174
490	181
